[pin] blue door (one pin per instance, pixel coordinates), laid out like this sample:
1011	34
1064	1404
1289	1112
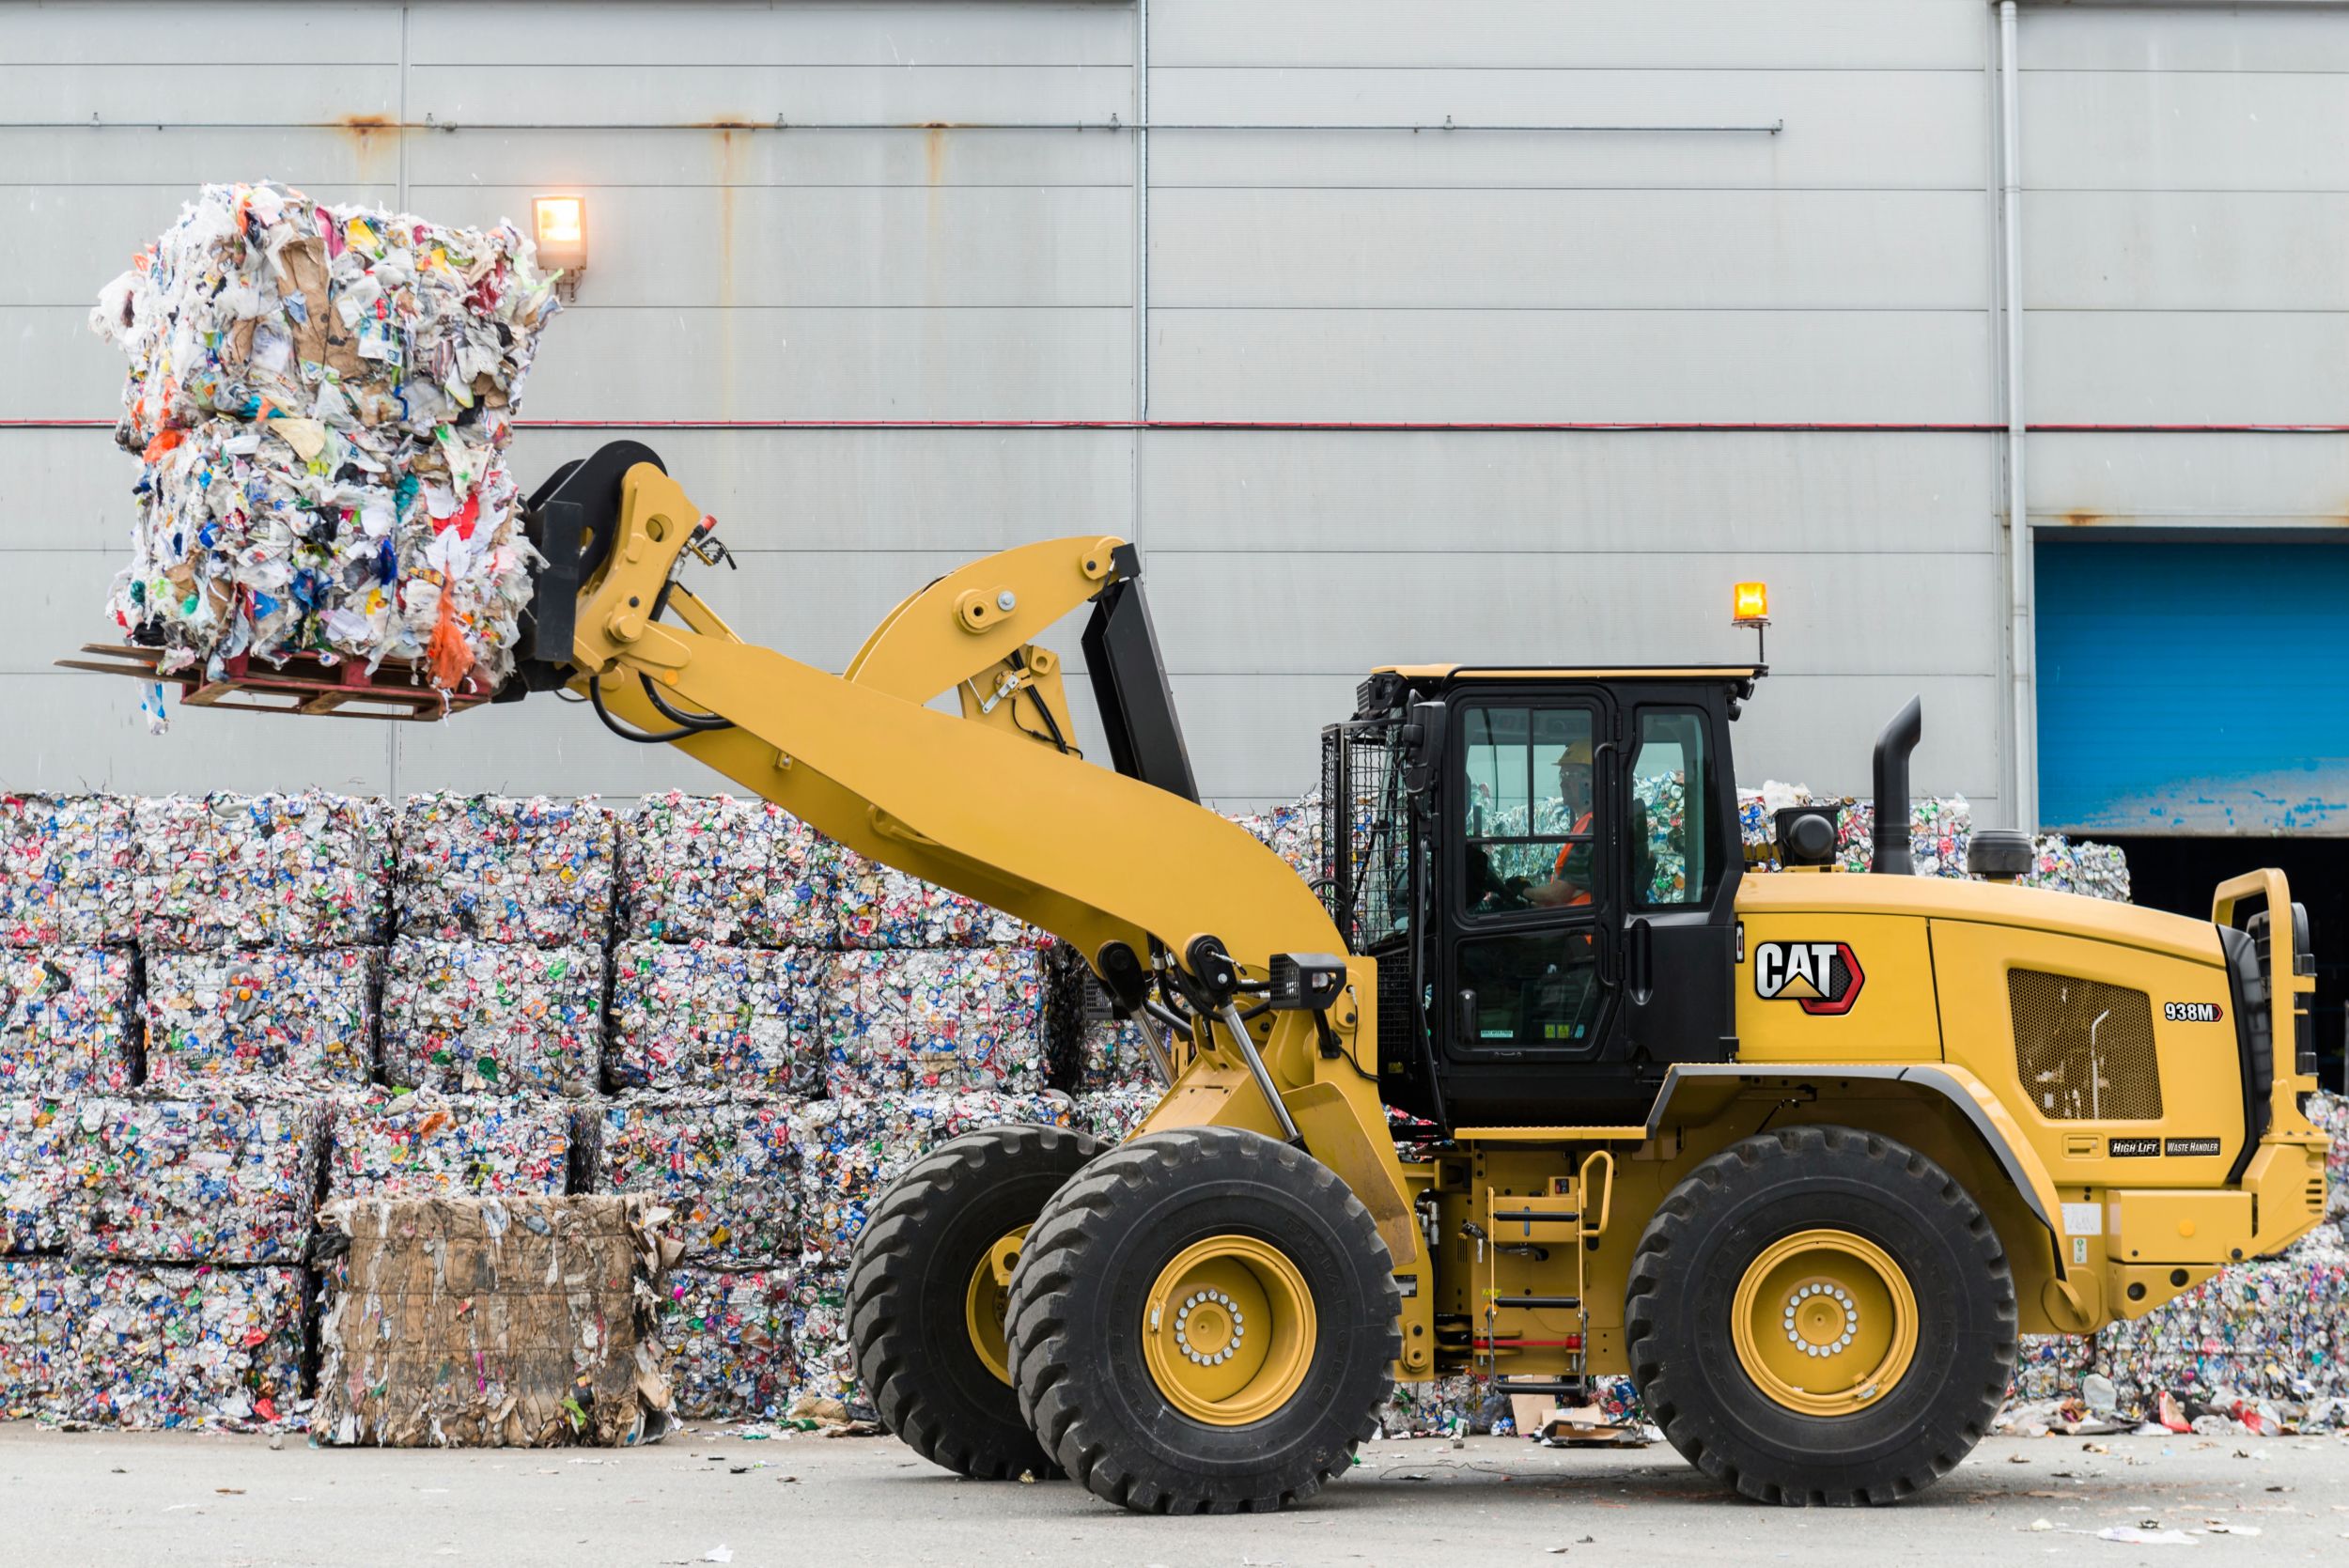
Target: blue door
2194	689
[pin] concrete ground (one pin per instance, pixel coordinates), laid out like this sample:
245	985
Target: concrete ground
133	1500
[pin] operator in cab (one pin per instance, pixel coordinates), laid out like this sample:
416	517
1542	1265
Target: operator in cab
1569	883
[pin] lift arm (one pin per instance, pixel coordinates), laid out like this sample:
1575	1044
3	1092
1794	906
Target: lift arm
981	807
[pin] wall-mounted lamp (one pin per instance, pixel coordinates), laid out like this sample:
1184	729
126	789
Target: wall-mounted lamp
559	224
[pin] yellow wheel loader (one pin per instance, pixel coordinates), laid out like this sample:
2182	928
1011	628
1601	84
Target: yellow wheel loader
1533	1078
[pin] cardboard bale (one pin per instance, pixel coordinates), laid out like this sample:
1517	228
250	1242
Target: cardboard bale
716	869
307	870
65	865
950	1020
499	869
883	907
67	1016
493	1019
237	1020
202	1347
694	1016
729	1336
37	1191
385	1143
478	1322
851	1150
218	1181
40	1301
727	1171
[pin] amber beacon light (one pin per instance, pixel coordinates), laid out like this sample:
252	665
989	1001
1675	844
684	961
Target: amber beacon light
559	225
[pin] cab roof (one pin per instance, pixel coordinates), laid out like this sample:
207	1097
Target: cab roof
1573	672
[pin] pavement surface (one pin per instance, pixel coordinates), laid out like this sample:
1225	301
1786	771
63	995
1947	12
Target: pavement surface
133	1500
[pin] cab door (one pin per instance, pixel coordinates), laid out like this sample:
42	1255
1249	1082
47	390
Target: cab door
1682	855
1530	890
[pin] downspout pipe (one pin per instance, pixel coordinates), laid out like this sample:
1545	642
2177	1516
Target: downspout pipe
2022	653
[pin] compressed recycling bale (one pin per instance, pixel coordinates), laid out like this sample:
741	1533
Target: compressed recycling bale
883	907
213	1348
65	865
694	1015
306	870
727	1171
320	396
718	869
1291	830
2091	870
385	1143
219	1181
2330	1114
493	1017
236	1021
849	1150
37	1192
1113	1115
729	1336
65	1020
1435	1407
479	1322
500	869
820	1350
40	1301
948	1020
1086	1047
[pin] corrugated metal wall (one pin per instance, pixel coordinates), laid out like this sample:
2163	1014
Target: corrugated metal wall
1838	270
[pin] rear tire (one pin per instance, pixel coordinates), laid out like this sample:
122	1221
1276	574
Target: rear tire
1820	1315
1278	1273
914	1283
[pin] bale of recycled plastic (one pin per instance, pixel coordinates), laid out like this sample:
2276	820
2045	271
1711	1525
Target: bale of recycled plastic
218	1180
68	1020
950	1020
729	1338
197	1348
36	1191
493	1017
393	1143
850	1151
727	1170
40	1302
320	396
500	869
307	870
240	1021
483	1322
699	1017
714	868
883	907
66	867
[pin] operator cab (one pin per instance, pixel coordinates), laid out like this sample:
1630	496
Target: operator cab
1526	852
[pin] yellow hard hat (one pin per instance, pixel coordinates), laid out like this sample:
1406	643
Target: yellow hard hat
1578	754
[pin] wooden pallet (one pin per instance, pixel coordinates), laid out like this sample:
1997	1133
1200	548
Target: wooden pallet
303	685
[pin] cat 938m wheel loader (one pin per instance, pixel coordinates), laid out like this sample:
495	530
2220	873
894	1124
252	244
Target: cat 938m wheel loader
1534	1079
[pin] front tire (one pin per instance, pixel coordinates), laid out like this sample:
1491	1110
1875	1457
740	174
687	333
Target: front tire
925	1305
1203	1322
1820	1315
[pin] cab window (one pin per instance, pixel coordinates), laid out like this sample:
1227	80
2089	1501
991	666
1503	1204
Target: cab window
1674	833
1528	809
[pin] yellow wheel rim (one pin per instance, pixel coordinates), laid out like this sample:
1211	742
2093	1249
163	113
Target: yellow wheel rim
983	1302
1228	1331
1825	1323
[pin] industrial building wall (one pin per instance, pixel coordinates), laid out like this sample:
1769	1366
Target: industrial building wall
1757	217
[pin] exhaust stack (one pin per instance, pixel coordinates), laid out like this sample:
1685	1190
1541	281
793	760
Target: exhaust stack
1899	738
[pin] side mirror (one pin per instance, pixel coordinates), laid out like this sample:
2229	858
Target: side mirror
1422	746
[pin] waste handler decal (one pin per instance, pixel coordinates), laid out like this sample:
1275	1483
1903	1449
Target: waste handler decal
1824	977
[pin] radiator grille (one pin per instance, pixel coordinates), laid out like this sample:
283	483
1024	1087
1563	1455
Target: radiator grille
2084	1049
